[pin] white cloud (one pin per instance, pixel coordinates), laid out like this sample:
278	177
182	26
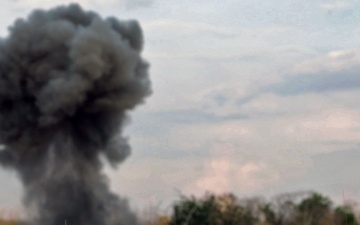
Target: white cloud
330	126
225	173
217	179
187	27
46	4
180	39
332	61
136	4
335	5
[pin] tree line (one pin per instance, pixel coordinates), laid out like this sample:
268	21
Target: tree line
300	208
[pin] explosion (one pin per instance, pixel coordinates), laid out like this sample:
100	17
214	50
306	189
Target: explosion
67	80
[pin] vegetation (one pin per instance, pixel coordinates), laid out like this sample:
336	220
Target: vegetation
301	208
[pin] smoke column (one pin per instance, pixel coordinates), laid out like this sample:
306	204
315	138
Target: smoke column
67	80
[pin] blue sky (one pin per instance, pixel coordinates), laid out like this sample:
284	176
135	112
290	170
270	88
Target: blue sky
250	96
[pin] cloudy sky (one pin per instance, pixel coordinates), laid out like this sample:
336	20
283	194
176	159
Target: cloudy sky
256	97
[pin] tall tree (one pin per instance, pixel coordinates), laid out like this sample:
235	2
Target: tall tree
315	210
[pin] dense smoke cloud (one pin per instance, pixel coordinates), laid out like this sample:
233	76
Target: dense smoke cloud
67	79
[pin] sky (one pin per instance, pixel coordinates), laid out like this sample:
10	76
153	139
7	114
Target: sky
252	97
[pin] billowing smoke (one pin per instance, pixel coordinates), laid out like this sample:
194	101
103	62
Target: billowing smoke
67	80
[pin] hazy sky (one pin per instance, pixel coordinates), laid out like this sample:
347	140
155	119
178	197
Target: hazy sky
256	97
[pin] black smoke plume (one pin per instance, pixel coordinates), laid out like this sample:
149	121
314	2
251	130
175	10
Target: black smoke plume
68	77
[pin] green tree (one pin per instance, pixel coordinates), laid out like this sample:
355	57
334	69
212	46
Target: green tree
344	215
193	211
315	210
212	210
282	209
297	208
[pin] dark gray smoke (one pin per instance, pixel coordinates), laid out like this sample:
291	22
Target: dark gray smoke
67	79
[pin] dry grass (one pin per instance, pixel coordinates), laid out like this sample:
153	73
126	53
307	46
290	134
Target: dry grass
9	217
9	222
